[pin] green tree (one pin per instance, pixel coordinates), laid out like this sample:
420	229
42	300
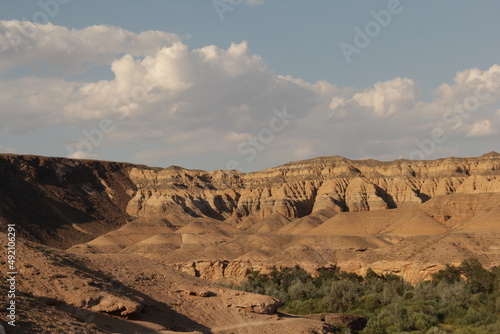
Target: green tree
450	274
478	278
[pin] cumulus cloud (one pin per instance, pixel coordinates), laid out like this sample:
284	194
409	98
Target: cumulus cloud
4	149
83	155
482	128
59	49
169	104
384	99
466	105
472	89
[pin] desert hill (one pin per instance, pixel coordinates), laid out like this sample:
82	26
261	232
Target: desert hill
131	294
74	201
297	189
323	212
133	224
60	202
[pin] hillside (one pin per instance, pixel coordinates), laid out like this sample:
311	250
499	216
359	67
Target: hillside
81	220
77	200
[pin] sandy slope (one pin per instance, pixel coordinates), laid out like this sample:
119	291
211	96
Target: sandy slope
128	227
124	293
411	241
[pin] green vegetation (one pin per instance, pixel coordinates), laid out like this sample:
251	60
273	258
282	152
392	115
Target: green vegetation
463	299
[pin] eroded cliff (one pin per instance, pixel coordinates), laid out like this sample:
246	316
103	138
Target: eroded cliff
404	217
297	189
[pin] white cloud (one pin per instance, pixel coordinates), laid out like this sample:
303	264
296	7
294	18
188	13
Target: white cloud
482	128
83	155
4	149
465	108
389	97
303	153
61	50
469	85
172	104
337	102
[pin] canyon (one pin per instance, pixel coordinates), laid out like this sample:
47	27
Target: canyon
169	234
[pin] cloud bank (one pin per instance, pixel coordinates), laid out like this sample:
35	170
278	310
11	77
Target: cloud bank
206	107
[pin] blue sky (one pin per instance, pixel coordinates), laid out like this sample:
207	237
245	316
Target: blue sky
396	98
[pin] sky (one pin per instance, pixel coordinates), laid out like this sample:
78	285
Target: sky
249	84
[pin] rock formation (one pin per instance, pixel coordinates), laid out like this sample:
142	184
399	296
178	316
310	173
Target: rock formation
297	189
221	225
126	228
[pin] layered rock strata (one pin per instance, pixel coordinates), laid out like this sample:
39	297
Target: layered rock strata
300	188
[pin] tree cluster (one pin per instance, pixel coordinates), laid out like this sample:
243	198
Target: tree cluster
459	299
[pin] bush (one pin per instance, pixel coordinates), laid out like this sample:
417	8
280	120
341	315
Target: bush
465	299
374	326
478	278
450	274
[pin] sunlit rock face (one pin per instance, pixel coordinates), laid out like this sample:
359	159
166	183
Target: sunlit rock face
300	188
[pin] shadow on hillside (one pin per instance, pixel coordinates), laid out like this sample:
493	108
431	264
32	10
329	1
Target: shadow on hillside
155	317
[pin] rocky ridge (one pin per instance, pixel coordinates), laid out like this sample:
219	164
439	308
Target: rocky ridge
125	226
404	217
224	224
297	189
60	202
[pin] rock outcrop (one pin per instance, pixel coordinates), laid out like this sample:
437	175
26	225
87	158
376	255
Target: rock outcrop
61	202
300	188
74	201
404	217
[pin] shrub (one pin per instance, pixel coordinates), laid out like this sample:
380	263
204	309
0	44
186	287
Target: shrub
450	274
464	299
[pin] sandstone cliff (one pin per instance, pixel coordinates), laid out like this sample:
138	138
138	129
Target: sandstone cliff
300	188
404	217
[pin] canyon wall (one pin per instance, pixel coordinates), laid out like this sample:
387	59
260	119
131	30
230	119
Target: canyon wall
297	189
62	202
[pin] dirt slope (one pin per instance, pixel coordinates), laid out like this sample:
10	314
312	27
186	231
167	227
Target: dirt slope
127	228
123	293
62	202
